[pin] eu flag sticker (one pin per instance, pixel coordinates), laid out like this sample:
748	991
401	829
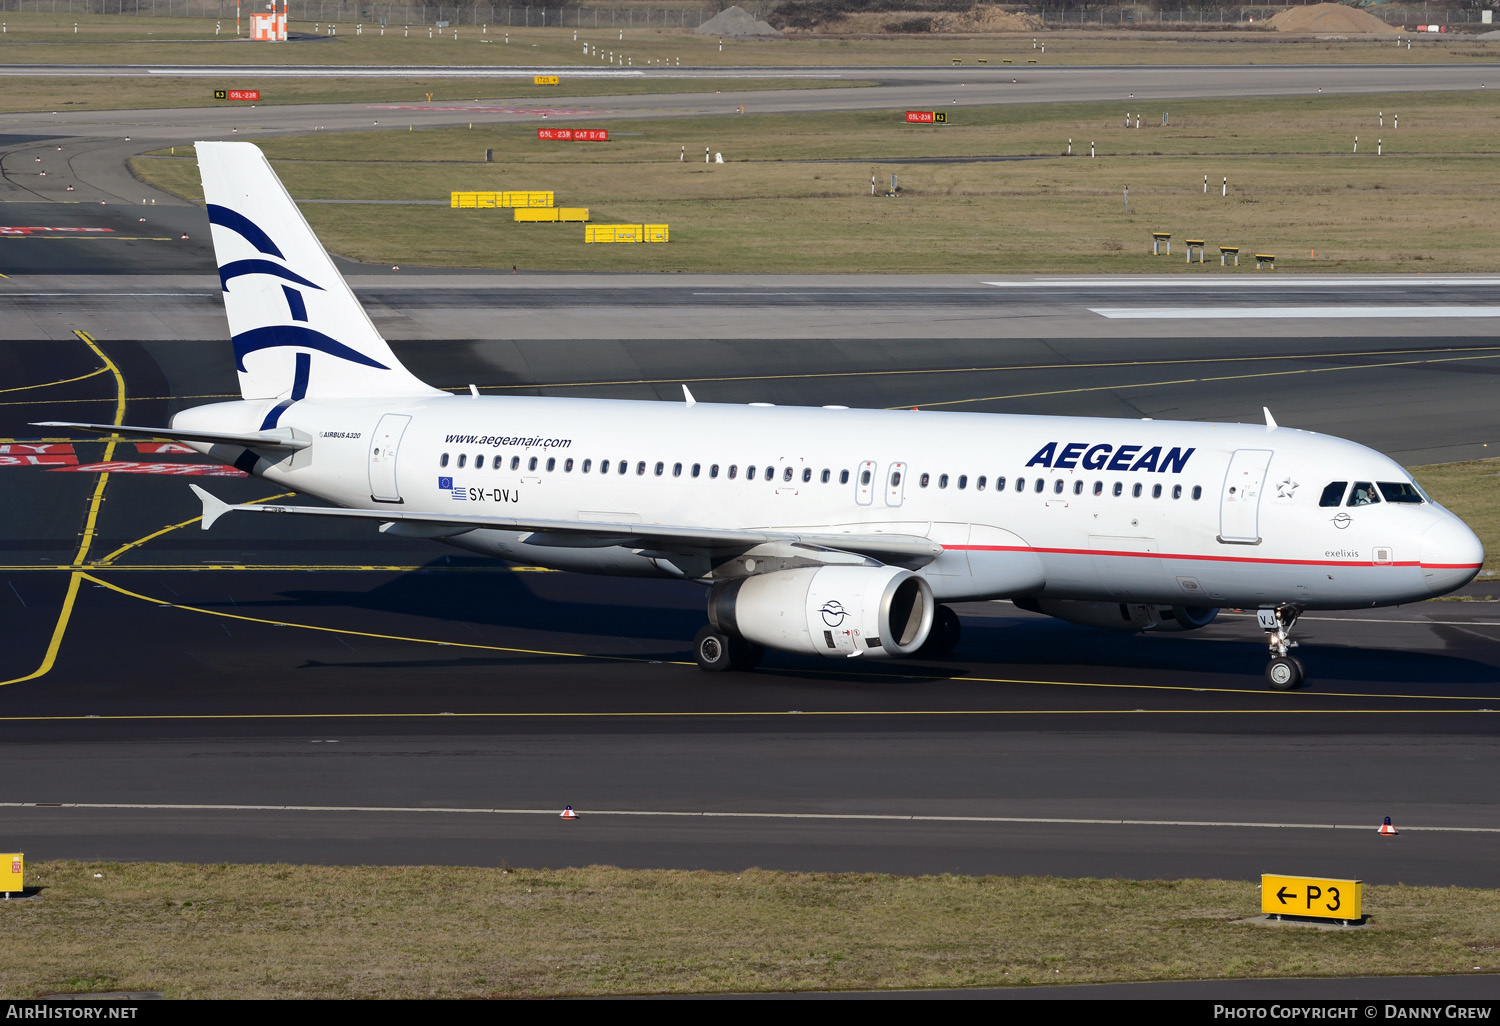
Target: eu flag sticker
445	483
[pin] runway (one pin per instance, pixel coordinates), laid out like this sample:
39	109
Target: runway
316	693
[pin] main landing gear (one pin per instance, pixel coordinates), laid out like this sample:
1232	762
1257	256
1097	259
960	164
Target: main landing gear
1284	672
718	652
944	636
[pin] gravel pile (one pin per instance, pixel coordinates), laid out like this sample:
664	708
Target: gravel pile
737	23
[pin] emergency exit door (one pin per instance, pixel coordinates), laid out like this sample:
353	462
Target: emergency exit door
1239	503
385	445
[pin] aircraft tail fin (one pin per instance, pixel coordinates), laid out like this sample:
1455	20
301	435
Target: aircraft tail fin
298	330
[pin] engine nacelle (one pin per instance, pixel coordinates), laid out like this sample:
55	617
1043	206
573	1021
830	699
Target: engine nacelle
1125	616
879	612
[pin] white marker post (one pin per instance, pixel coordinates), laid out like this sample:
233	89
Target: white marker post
1091	150
1356	144
1205	185
1226	185
1070	147
1379	147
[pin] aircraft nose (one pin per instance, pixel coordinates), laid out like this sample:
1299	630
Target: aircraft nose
1451	555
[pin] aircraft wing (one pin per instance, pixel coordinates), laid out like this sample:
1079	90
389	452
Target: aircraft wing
908	551
282	438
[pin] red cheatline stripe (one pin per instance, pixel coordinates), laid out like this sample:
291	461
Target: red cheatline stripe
1209	558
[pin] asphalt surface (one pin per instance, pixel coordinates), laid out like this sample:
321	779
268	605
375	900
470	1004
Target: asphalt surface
314	693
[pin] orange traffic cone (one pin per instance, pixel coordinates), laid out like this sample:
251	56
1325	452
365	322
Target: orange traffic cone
1386	830
568	813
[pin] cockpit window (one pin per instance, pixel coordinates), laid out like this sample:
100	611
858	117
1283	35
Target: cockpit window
1333	494
1400	491
1363	494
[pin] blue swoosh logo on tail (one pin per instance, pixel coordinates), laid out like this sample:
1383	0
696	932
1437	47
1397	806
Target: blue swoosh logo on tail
235	268
277	335
243	227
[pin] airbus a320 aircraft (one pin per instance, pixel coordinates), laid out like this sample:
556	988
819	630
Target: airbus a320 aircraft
829	532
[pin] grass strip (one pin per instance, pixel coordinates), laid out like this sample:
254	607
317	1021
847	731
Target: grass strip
998	196
25	93
280	931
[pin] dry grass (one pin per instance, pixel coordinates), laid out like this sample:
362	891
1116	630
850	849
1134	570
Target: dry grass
1296	189
19	93
300	931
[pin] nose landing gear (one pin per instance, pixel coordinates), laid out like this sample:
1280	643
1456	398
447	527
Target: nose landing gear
1284	672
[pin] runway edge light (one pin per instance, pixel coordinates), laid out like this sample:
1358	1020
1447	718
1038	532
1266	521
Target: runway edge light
15	876
1387	830
568	813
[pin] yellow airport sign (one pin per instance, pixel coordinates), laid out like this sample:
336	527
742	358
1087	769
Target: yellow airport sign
12	875
1311	896
545	80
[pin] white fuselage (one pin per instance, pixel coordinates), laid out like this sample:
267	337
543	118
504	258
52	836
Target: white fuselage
1053	507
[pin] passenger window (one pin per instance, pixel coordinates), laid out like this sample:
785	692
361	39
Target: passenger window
568	467
1333	494
1197	492
806	474
444	461
515	462
942	480
1119	489
1098	487
826	475
749	474
924	480
1078	487
1020	484
462	459
1177	491
1362	494
622	467
640	468
770	473
1156	491
999	484
843	477
963	481
531	463
660	466
733	470
786	474
979	485
713	470
1400	491
1135	492
697	469
1057	486
588	465
895	479
677	470
604	466
495	463
864	477
551	464
1040	484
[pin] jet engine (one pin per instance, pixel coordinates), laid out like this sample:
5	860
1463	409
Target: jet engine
879	612
1126	616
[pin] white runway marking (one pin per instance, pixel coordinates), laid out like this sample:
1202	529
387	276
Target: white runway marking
1250	313
856	817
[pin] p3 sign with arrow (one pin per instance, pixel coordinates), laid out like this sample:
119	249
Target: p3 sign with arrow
1311	896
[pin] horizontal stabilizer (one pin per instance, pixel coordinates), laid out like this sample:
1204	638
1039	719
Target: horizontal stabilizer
905	550
281	438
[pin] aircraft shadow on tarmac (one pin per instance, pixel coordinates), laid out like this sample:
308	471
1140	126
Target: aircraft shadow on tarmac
659	617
